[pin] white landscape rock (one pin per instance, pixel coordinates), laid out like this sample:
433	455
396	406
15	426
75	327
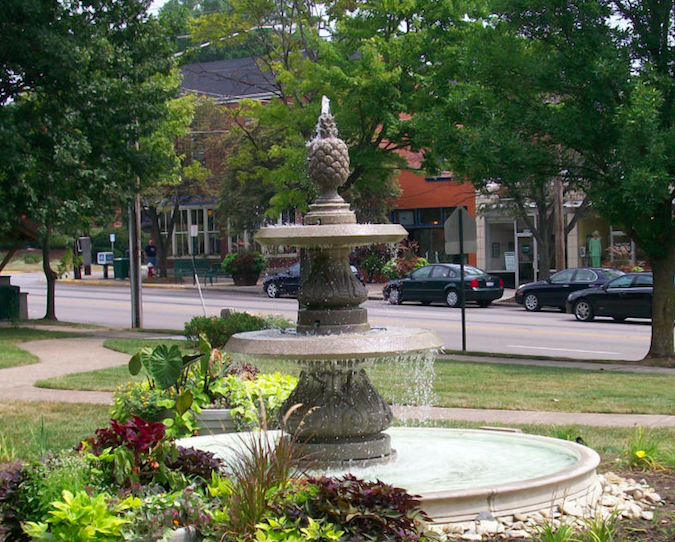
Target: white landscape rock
628	498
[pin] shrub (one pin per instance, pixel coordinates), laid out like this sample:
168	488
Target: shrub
262	395
10	510
364	510
219	330
134	453
159	515
244	262
642	451
140	399
83	518
44	481
372	259
198	465
397	268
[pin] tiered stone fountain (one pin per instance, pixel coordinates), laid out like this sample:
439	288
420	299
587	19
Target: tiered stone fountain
337	414
335	411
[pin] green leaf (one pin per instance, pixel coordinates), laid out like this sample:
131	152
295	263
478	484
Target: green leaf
135	364
166	366
183	402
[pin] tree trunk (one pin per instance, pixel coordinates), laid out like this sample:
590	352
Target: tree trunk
162	242
50	275
661	350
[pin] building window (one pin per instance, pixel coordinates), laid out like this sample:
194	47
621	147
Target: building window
406	217
431	216
207	241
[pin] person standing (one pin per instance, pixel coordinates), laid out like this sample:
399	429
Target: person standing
595	249
151	254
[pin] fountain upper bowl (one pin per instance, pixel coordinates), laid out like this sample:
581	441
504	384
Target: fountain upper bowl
375	343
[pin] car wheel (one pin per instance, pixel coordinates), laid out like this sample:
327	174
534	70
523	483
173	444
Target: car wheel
484	304
272	290
583	311
395	296
531	302
451	298
619	318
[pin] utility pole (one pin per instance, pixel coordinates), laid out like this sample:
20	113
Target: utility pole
559	224
135	261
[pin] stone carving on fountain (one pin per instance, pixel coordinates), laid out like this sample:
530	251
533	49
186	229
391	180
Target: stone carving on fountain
335	412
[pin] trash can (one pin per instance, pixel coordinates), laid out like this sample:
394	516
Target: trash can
121	268
9	302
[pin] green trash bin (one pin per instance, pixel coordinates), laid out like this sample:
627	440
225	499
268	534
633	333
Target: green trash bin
121	268
9	302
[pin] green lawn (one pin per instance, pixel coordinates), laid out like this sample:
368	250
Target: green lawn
28	430
131	346
479	385
12	355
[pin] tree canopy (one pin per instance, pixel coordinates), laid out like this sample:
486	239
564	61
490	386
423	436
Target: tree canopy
85	87
365	60
583	91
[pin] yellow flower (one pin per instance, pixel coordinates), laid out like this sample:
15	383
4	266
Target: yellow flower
640	453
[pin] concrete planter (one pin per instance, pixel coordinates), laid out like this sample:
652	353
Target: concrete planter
212	421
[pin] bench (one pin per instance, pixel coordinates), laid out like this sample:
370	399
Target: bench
206	269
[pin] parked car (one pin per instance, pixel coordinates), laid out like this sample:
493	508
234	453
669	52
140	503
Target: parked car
553	291
287	282
629	296
441	282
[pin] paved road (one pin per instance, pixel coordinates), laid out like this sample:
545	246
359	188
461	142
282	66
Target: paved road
501	328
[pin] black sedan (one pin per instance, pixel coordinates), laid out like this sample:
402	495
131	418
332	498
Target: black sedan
287	282
553	291
629	296
441	282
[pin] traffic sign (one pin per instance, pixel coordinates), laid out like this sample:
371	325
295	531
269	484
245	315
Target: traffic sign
452	231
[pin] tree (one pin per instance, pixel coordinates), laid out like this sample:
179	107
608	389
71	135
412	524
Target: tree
365	60
84	114
595	80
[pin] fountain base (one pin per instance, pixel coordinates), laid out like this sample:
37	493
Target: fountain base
362	452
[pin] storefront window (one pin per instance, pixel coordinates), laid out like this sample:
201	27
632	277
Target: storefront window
430	216
406	217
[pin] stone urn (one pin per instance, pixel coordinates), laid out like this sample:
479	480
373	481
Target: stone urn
212	421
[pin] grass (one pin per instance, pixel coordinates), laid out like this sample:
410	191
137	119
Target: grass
521	387
28	430
105	379
131	346
12	355
471	385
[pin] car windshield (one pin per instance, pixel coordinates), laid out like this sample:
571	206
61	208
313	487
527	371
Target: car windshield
471	270
612	273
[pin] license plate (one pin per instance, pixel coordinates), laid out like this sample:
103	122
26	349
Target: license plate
489	284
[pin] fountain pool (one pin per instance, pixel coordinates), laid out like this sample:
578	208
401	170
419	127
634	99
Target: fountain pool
459	473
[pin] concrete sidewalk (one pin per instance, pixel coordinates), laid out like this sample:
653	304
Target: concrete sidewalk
64	356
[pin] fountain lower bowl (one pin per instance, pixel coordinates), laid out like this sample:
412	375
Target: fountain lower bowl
372	344
460	473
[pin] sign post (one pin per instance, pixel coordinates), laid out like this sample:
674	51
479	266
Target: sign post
460	237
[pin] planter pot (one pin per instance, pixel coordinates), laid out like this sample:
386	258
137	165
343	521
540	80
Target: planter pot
212	421
245	278
185	534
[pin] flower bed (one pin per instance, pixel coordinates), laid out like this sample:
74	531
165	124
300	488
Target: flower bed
131	483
